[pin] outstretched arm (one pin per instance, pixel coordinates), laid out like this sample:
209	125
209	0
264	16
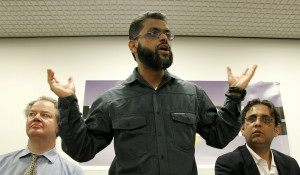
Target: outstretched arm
242	80
220	127
79	142
58	88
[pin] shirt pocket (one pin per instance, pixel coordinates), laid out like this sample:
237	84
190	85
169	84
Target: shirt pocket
184	130
130	136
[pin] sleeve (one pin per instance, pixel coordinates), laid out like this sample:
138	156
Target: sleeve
223	166
82	140
220	127
78	171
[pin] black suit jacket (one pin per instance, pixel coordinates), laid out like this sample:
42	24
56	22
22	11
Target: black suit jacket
240	162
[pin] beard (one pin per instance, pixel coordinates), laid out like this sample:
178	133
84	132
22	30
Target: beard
152	59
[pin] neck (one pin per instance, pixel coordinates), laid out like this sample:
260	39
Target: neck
264	153
39	146
154	78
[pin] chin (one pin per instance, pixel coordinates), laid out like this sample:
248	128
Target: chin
258	140
165	57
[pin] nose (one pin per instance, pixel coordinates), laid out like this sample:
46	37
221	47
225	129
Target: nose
37	117
163	37
257	122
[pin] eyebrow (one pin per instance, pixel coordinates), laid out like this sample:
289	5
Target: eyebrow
268	116
40	111
252	115
264	115
159	29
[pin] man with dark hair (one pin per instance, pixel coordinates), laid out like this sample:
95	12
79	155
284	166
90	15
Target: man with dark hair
40	156
260	125
153	116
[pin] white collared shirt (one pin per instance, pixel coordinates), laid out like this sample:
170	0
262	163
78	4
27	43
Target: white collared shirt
262	164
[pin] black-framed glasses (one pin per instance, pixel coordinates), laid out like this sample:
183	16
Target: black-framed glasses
156	34
265	119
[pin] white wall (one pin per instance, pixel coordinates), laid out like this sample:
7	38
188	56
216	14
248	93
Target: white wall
23	64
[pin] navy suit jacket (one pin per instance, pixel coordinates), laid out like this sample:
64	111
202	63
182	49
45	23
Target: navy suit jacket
240	162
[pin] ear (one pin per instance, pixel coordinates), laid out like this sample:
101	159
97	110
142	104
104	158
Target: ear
277	131
242	130
132	46
56	130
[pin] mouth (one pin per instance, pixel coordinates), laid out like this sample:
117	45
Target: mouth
36	125
164	48
257	132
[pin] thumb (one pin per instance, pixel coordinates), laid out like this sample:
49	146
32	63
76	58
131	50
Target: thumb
70	80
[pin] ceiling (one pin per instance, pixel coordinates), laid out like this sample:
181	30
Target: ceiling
216	18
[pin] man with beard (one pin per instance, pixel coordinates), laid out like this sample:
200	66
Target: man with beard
153	116
260	125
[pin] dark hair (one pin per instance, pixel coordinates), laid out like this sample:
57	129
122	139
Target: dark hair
137	24
274	111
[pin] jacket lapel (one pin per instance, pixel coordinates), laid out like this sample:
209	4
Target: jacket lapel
281	166
251	166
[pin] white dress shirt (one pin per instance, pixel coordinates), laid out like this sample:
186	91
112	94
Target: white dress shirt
262	164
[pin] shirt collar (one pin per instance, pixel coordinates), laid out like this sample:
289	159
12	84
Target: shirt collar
273	161
135	76
51	155
26	152
257	158
253	154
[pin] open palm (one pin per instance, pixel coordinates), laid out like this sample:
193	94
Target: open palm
242	80
58	88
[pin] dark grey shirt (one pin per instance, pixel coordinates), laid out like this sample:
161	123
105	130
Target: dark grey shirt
153	130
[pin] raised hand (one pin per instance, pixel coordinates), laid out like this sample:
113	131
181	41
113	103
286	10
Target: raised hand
242	80
58	88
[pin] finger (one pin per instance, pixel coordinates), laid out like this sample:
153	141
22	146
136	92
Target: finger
229	73
245	71
70	80
253	69
50	75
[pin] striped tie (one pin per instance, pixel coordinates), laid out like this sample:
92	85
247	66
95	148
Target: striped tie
31	170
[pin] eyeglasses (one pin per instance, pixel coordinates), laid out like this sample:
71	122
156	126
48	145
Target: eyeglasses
156	34
265	119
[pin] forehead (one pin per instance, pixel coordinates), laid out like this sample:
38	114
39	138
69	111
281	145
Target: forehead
43	105
259	109
154	23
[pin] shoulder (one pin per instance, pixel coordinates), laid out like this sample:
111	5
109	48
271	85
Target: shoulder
185	86
230	157
231	163
69	167
111	94
283	157
10	162
227	164
10	156
285	163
